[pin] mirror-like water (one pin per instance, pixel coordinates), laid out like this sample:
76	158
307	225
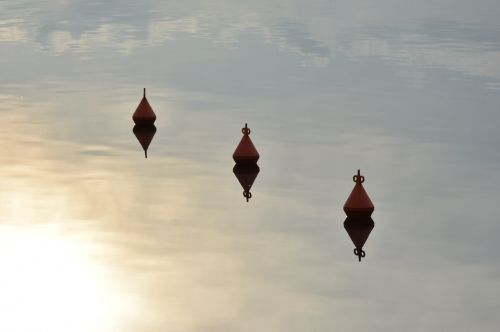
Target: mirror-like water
94	237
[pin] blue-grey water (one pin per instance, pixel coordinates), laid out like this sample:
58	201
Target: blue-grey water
94	237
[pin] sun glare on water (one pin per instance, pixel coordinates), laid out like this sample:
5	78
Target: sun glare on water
50	283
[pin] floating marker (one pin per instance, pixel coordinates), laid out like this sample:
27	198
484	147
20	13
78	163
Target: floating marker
144	113
358	208
358	202
245	152
246	175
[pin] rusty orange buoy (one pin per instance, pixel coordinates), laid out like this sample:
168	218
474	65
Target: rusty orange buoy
358	202
246	175
245	152
144	113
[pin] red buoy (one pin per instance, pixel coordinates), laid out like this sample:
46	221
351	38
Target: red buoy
245	152
246	175
358	201
144	113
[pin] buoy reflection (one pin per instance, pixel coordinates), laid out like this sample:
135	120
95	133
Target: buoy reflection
246	175
144	134
359	228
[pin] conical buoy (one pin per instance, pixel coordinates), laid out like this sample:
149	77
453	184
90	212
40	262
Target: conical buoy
359	228
144	113
144	134
246	175
245	152
358	201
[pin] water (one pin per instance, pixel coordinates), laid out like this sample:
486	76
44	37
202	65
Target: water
94	237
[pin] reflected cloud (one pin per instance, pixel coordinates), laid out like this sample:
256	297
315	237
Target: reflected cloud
294	37
105	36
11	31
85	26
466	49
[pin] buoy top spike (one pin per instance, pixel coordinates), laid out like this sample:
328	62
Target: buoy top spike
144	93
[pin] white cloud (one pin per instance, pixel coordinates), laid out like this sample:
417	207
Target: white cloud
10	31
417	50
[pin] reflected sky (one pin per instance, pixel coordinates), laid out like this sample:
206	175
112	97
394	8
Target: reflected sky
93	236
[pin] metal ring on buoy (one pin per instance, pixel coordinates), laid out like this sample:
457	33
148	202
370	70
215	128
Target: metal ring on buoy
358	178
246	130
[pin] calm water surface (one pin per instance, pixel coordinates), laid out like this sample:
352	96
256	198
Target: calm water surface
94	237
